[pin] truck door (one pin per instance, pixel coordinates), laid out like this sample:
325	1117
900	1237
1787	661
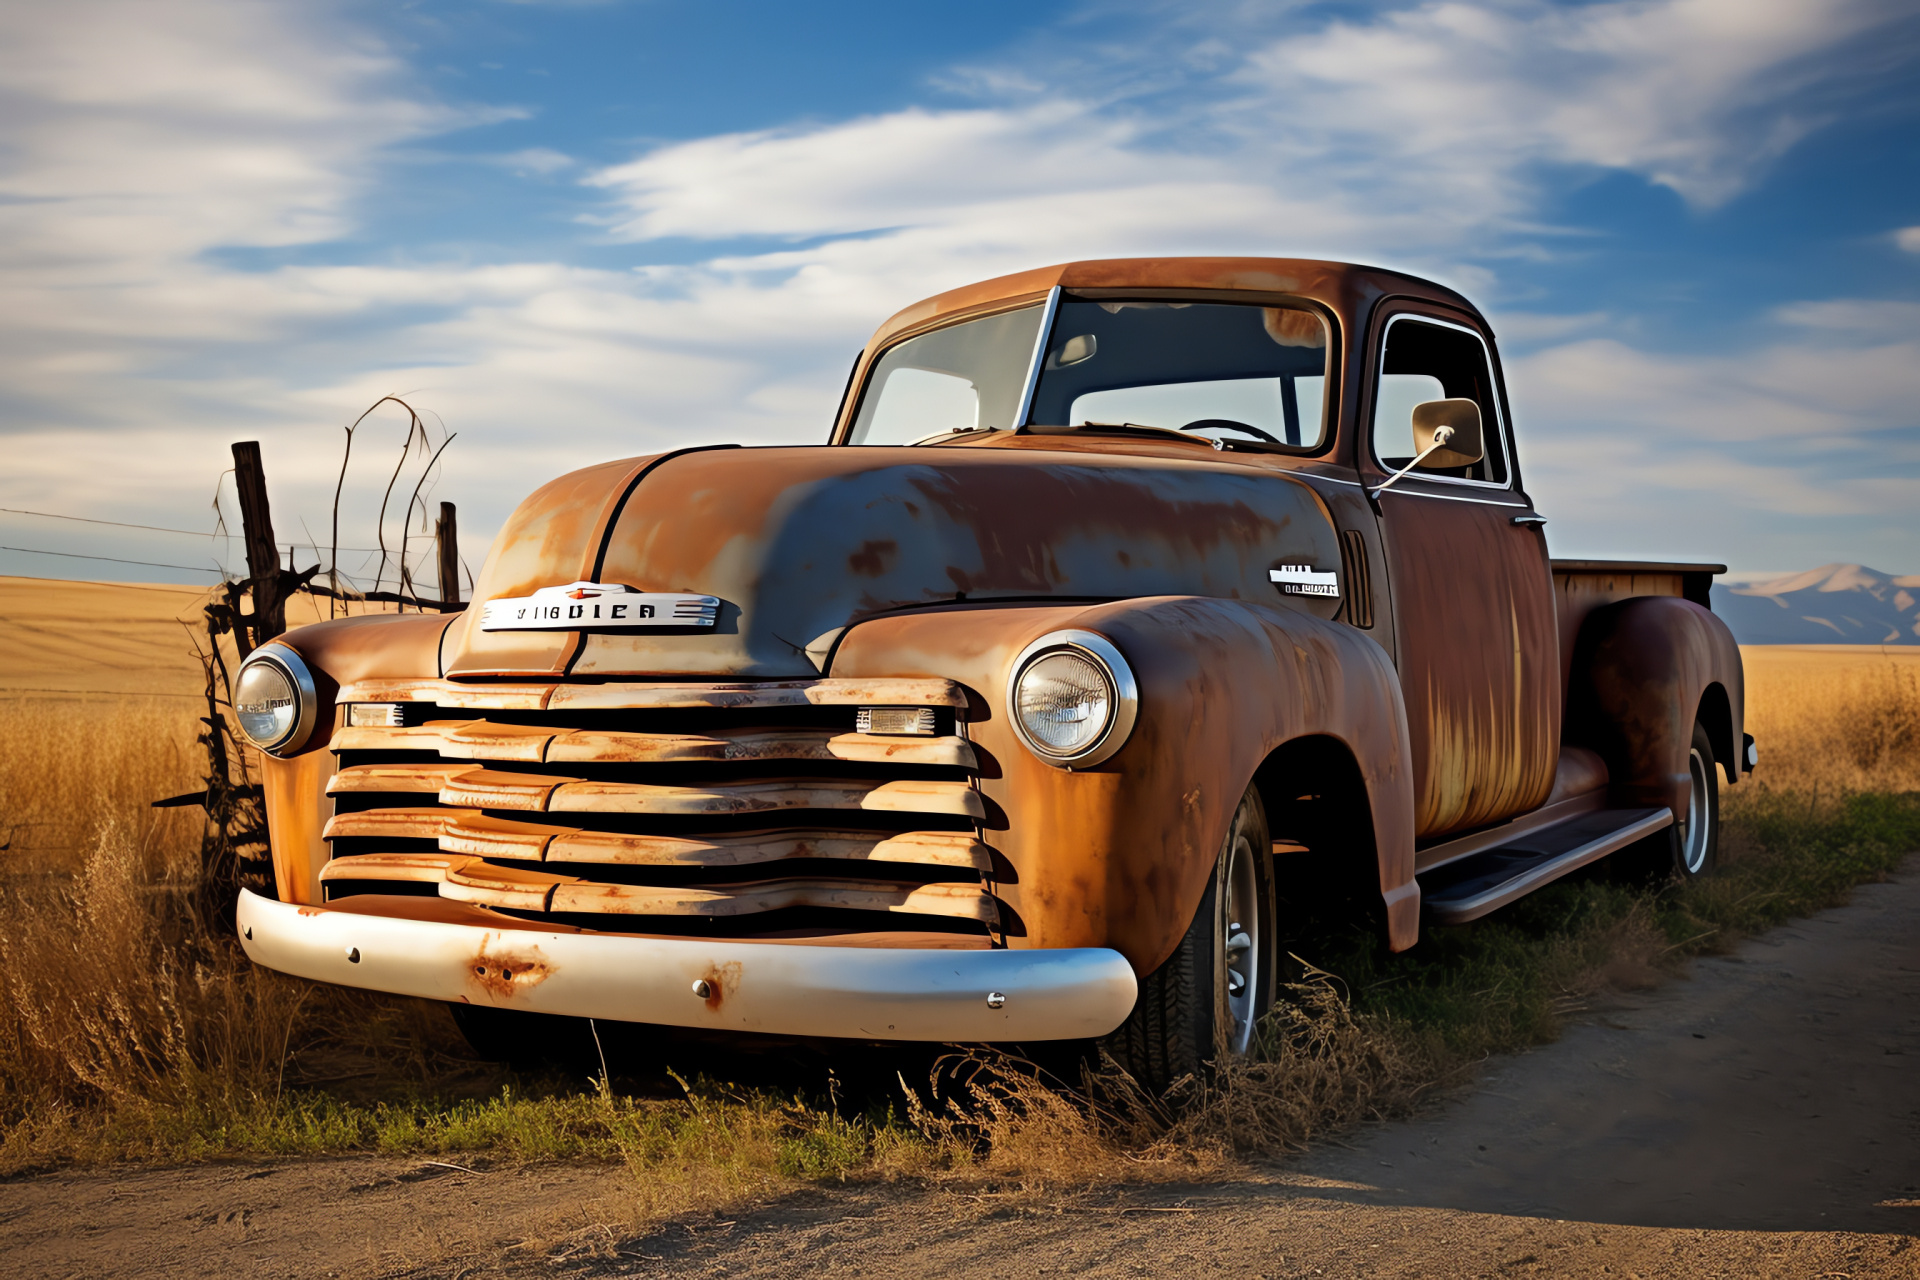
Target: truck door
1472	591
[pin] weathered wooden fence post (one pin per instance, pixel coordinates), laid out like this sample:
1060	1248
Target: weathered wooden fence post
446	540
263	557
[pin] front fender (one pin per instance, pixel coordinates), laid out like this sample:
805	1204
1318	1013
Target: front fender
371	646
1119	855
1643	670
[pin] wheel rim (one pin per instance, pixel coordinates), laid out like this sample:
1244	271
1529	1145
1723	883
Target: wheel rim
1695	831
1239	950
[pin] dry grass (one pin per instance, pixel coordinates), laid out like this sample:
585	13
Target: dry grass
124	1033
108	1007
72	768
1837	719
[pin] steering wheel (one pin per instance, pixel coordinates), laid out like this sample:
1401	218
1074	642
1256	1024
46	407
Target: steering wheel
1227	424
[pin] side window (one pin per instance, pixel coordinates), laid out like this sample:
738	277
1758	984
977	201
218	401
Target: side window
1427	360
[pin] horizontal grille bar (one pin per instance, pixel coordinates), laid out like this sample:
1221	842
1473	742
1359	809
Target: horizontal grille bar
481	740
467	831
467	879
465	786
592	697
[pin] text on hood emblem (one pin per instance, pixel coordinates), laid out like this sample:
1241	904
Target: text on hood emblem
597	606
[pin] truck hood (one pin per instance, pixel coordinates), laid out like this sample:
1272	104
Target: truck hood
800	542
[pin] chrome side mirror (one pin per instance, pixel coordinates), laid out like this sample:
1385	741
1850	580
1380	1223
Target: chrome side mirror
1446	433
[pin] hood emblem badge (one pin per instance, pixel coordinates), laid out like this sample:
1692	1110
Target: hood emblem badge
597	606
1302	580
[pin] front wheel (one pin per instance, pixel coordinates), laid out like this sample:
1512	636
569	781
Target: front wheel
1200	1008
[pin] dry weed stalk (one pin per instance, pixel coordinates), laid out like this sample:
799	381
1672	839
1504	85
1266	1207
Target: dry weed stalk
1314	1068
110	1001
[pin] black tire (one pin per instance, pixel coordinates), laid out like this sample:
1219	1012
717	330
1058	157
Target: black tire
1687	850
1696	840
1190	1014
526	1040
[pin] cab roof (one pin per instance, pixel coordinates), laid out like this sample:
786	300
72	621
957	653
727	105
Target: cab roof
1345	288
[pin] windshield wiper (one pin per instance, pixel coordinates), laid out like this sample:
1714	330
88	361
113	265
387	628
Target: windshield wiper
1156	433
941	436
1117	429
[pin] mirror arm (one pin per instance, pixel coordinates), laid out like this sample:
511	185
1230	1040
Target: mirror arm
1441	436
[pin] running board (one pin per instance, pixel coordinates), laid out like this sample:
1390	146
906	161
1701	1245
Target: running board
1472	886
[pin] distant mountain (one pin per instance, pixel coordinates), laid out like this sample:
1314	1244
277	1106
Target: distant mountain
1834	604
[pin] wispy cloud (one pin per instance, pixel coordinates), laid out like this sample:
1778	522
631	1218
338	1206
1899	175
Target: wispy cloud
539	160
1696	95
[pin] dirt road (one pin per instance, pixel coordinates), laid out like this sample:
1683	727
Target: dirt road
1760	1117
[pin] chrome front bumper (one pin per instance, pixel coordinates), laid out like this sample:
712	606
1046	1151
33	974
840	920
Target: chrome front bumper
862	993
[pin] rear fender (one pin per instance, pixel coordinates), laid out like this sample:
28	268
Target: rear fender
1118	855
1643	671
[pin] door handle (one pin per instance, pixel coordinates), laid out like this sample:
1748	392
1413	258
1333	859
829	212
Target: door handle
1530	519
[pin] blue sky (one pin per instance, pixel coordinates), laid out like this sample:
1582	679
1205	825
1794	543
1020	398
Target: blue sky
573	231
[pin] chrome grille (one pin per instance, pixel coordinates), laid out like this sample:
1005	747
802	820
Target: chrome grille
737	809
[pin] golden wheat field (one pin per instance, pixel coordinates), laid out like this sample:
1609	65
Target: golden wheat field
101	691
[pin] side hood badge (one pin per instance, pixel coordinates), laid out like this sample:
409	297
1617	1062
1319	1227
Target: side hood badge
597	606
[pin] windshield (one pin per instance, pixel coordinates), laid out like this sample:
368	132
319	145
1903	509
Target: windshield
1228	370
965	377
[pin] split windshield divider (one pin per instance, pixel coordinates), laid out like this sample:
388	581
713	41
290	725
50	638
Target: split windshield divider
1039	358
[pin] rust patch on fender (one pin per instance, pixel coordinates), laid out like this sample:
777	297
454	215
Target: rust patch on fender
502	973
722	981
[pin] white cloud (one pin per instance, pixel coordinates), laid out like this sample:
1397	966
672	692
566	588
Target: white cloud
544	161
1854	316
1908	238
1697	95
140	131
1519	328
1741	455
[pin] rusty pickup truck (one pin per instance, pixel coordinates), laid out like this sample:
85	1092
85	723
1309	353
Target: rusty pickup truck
1130	606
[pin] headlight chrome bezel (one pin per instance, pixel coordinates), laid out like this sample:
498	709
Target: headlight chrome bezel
305	696
1124	693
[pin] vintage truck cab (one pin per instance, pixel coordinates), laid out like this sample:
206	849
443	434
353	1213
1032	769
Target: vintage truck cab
1128	602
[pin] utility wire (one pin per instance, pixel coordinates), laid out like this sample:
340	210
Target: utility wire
152	528
174	589
189	568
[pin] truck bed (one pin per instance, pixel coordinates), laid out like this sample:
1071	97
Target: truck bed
1581	586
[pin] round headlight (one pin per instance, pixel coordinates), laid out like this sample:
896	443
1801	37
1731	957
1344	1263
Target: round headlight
1072	698
273	700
